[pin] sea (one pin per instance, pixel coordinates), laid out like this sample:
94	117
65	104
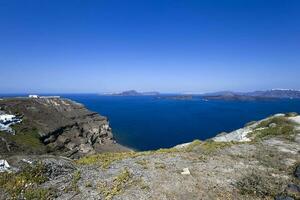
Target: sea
149	122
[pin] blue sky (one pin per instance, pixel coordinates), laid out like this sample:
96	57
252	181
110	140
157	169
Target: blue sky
76	46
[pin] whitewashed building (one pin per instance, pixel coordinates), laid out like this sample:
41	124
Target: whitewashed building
6	121
33	96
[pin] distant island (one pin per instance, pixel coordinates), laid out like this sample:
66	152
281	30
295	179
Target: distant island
134	93
222	95
277	93
256	95
177	97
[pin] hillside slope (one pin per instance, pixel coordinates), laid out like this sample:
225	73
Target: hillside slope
266	166
55	125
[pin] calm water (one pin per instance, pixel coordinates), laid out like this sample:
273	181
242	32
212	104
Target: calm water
146	123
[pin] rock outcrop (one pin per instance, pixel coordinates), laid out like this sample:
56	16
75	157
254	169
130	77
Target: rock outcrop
56	125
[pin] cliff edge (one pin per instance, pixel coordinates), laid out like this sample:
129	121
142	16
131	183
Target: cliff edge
55	125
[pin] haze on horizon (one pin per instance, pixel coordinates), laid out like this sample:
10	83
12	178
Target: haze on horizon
62	46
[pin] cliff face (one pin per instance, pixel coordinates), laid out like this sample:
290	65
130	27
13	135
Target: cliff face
58	126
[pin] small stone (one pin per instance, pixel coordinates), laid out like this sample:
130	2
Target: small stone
185	171
272	125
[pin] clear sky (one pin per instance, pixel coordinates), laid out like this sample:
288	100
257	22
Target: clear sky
58	46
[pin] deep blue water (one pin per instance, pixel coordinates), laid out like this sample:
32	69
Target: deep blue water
146	122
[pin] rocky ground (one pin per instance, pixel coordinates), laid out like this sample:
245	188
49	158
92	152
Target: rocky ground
265	166
57	126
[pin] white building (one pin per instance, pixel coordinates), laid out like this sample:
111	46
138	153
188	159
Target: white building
4	118
33	96
6	121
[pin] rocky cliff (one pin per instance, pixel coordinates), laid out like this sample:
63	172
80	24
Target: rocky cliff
55	125
259	161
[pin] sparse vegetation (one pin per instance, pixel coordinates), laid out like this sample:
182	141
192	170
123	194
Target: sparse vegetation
38	194
159	165
273	127
192	145
106	159
88	184
260	184
25	182
210	146
117	186
143	185
279	121
143	162
75	178
207	146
